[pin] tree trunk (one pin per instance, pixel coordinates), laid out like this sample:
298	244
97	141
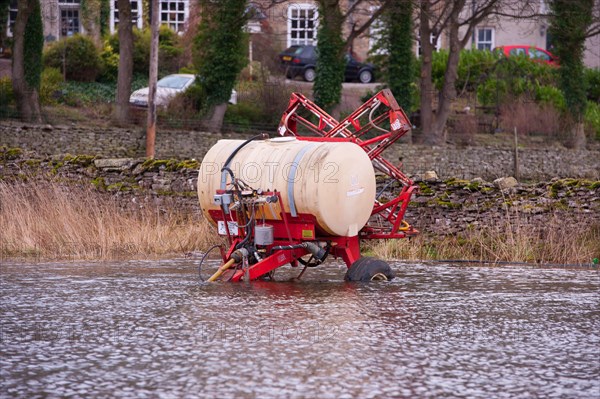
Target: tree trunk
90	19
578	134
214	122
448	93
121	112
26	75
426	83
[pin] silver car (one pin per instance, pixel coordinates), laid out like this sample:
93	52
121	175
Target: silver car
167	88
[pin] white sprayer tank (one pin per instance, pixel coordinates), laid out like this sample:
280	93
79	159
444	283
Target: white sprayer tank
334	181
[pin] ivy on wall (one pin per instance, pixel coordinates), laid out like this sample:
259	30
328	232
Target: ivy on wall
33	46
330	61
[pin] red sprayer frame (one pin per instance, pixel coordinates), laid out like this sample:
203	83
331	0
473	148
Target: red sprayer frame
387	219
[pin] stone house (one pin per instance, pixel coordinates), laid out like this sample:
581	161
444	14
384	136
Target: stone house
285	23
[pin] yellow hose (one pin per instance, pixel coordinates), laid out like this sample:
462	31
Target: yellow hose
218	273
404	226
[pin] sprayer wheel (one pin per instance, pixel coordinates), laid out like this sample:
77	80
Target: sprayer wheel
369	269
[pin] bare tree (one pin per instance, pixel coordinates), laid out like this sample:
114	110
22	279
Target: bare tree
570	23
332	46
121	111
27	59
457	18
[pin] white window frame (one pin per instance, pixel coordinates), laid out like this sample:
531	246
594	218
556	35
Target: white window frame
302	7
485	42
437	46
69	7
175	24
138	16
9	20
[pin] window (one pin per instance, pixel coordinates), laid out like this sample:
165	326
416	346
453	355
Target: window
485	38
174	14
69	21
517	51
433	39
136	15
12	17
302	24
69	17
536	54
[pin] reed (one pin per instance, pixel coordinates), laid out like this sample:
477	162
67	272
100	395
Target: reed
504	241
54	221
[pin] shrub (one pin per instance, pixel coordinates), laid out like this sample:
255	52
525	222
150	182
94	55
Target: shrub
6	91
170	52
141	50
244	115
492	92
192	101
50	86
110	63
592	119
551	95
85	93
81	58
474	67
593	82
519	77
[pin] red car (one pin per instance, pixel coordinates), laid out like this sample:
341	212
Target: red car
535	53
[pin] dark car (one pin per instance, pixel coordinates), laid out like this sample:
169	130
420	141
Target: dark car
302	61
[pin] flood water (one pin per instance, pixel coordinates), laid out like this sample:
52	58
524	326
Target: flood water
150	329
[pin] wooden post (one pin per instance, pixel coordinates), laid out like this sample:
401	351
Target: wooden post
250	56
516	156
151	121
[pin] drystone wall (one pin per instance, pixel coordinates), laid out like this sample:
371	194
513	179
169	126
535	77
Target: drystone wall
464	163
443	206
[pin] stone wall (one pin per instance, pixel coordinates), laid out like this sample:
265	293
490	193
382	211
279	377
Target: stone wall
465	163
443	206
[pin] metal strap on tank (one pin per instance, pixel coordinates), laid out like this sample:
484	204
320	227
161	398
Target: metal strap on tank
223	180
292	177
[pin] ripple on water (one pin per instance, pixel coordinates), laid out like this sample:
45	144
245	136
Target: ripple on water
148	329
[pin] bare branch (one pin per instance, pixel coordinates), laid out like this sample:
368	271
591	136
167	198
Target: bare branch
355	32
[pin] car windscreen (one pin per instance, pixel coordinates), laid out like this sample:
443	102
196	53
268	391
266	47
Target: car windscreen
174	82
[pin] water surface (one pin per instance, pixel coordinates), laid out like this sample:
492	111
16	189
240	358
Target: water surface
150	329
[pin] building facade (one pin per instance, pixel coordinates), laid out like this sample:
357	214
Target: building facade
294	22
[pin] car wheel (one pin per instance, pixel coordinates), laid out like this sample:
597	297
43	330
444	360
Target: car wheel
365	76
309	74
369	269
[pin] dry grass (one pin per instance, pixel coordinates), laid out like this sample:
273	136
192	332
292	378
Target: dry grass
531	118
504	242
51	221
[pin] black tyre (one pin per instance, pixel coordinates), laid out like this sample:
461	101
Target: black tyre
369	269
309	74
